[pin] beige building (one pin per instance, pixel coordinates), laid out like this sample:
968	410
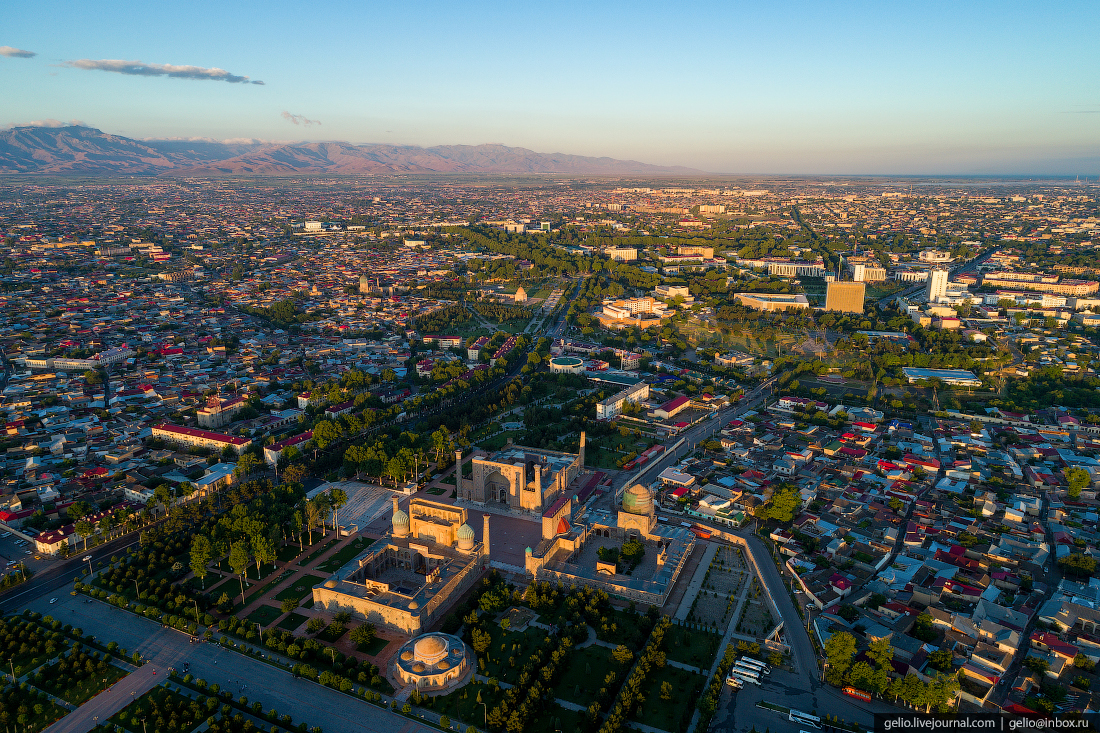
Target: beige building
196	438
217	413
405	580
432	663
846	297
772	301
622	254
695	250
571	554
519	479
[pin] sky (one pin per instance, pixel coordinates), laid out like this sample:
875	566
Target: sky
823	87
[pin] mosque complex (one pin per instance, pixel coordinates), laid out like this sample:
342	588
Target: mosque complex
407	580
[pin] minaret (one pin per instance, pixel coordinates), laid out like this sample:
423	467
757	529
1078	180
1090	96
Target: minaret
581	451
485	534
458	474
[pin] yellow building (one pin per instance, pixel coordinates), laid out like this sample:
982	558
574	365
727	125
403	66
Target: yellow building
846	297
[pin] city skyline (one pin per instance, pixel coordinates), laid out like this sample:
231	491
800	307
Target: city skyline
933	89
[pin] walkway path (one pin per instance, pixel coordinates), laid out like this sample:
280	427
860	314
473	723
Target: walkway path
696	583
105	704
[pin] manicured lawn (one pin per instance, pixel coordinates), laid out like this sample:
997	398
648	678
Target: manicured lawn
288	552
299	588
271	584
624	627
498	441
509	651
266	569
587	671
332	632
291	622
691	646
232	586
436	491
555	718
673	714
374	647
264	615
345	555
462	704
320	551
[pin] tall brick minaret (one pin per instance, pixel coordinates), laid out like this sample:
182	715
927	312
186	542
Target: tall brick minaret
485	533
581	451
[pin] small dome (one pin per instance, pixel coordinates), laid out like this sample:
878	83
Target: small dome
400	523
443	665
638	500
330	583
407	655
413	605
419	667
465	536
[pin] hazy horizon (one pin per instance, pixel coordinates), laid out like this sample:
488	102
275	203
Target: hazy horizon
803	89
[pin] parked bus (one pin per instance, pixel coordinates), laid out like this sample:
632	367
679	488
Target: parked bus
744	677
745	672
797	716
748	667
856	692
755	663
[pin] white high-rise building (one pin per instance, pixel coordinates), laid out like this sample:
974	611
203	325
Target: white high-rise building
937	284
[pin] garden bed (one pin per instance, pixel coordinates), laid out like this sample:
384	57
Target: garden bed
291	622
299	588
264	615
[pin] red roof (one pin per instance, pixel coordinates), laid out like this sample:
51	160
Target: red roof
674	403
207	434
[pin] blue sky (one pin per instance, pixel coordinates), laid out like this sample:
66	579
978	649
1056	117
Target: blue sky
796	87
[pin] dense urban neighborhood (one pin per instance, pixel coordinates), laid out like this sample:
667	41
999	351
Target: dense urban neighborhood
546	453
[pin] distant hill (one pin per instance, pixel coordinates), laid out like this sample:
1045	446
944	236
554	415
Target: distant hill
85	150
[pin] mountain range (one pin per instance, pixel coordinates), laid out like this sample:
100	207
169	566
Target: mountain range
88	151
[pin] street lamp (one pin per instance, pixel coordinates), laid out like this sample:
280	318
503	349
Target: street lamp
485	709
88	559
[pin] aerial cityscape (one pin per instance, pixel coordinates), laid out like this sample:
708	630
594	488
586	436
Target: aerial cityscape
324	414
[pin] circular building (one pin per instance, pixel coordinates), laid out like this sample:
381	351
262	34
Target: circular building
638	500
566	365
432	663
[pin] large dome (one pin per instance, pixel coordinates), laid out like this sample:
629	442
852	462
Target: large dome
430	649
465	537
638	500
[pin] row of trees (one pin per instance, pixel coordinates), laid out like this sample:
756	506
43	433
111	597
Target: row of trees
630	695
937	691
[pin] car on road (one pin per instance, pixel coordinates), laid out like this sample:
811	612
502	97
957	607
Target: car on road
53	601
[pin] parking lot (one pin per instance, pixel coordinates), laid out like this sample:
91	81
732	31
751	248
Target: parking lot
14	549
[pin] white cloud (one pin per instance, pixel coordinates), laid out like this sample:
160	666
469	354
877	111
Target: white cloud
49	123
138	68
16	53
299	119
